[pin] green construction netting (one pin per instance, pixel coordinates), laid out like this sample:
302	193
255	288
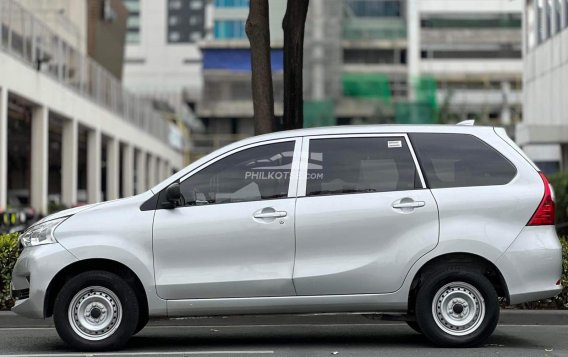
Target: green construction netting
319	113
414	113
425	109
362	85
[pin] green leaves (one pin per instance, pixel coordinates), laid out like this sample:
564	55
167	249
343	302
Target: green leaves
560	184
564	295
8	255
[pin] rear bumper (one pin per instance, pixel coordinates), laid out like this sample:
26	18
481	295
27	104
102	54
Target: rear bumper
34	270
532	265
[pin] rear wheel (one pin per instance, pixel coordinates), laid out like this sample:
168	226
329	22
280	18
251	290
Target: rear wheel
96	311
457	308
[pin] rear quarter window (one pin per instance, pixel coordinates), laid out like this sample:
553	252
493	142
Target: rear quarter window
460	160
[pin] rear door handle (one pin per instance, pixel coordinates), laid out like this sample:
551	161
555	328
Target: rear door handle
414	204
275	214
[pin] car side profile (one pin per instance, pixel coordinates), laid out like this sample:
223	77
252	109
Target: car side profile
437	224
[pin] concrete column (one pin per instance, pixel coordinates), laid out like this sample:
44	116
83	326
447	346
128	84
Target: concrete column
69	162
127	170
94	166
113	167
39	160
506	108
141	179
413	49
3	147
165	171
151	171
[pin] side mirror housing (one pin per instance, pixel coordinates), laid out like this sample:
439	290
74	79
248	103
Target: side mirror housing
173	196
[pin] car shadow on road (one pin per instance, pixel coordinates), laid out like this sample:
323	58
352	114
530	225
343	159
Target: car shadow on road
272	338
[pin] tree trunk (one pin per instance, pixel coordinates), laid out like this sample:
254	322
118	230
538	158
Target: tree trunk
294	27
258	32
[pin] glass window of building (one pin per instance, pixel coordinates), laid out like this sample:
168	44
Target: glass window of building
196	5
231	3
548	18
175	4
185	21
133	22
374	8
229	29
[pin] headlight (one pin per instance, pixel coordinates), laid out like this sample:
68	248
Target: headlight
41	233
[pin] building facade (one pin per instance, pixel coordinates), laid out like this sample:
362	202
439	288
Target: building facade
163	61
375	61
69	132
162	55
543	133
106	32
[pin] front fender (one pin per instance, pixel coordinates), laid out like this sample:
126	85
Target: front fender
118	231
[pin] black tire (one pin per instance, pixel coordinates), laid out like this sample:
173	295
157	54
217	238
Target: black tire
96	290
466	285
414	325
142	322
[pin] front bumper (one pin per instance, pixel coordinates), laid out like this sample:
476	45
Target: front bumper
35	269
532	265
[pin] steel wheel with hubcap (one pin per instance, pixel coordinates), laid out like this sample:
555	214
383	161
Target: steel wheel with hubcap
96	311
457	307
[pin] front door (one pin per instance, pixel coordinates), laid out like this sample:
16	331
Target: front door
365	216
233	235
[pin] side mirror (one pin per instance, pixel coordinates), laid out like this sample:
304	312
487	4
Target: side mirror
173	196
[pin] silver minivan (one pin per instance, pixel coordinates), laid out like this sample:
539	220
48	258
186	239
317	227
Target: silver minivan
436	224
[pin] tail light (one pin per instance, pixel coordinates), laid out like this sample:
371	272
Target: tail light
544	214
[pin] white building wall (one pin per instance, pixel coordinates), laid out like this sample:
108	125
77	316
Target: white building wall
156	66
545	81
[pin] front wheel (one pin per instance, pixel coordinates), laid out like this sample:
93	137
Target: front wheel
457	308
96	311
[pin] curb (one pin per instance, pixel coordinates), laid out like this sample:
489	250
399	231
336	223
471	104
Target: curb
9	319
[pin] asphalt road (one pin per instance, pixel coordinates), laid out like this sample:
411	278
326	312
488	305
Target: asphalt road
519	334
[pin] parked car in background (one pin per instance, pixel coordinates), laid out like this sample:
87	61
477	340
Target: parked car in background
433	223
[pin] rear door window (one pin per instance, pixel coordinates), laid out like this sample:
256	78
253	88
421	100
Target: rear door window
360	165
460	160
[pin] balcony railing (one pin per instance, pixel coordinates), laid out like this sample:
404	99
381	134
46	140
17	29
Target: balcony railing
25	37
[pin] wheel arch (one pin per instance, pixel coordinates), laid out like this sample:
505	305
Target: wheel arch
473	261
94	264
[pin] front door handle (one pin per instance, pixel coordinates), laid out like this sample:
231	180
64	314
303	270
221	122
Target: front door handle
413	204
275	214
